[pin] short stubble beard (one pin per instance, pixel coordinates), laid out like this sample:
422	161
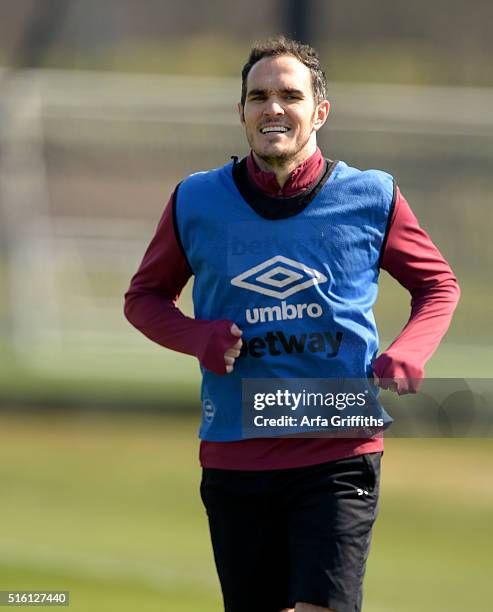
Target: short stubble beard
284	160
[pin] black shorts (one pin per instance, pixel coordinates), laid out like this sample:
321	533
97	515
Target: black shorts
292	535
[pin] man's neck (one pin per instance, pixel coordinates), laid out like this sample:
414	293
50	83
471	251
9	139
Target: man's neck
283	171
301	179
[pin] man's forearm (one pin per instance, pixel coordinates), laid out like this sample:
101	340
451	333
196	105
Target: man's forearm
150	302
415	262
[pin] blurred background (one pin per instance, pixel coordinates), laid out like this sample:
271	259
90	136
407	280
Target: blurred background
104	107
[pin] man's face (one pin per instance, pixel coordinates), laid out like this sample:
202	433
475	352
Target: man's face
280	115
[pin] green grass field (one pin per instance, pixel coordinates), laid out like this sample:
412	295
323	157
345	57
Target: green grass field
108	508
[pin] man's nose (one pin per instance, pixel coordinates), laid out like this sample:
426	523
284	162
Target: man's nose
273	107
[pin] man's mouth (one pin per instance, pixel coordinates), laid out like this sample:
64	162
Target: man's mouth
274	129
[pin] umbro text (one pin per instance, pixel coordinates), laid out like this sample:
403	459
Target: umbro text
284	312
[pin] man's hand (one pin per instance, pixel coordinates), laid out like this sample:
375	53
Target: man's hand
233	353
397	374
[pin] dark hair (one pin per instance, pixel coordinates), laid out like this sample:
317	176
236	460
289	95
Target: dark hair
280	45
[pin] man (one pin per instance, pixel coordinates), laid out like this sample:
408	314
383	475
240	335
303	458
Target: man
289	524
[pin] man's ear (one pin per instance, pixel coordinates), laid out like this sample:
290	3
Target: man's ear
241	112
321	114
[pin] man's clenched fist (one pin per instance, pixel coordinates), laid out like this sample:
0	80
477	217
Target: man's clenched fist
233	353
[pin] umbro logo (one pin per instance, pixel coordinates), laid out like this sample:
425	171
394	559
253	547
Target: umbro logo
279	277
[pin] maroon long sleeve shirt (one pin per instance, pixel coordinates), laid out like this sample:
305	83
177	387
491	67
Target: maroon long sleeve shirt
409	256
